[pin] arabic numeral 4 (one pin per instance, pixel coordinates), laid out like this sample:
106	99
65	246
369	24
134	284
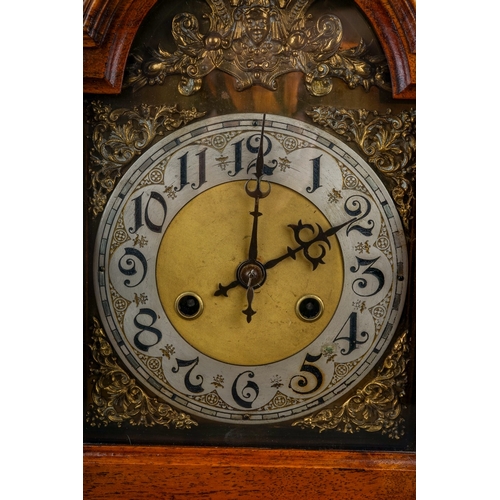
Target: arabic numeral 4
350	335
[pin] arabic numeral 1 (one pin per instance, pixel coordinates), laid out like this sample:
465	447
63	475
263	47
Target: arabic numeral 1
202	178
316	174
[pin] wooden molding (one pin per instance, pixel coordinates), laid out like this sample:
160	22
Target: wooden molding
162	472
109	27
394	22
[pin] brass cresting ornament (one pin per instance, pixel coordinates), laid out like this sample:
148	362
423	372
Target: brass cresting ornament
256	41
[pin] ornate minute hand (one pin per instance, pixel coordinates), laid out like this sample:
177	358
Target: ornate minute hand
322	236
247	268
257	194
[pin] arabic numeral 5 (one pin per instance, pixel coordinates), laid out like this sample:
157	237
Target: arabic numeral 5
306	384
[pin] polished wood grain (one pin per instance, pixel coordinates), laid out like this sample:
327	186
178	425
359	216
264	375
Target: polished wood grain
150	473
109	27
394	22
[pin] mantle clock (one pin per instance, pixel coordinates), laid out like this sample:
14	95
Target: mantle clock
249	324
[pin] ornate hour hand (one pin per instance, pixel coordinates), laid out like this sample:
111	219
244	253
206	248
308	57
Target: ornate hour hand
321	237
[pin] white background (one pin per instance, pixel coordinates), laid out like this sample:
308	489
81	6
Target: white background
457	249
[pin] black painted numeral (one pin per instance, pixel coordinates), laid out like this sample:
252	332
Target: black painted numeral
194	388
127	265
147	336
352	335
158	200
316	174
361	284
250	392
300	383
359	206
202	178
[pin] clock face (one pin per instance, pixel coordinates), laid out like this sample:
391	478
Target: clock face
250	269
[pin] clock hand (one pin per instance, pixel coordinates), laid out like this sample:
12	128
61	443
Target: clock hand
257	194
249	311
248	266
322	236
222	290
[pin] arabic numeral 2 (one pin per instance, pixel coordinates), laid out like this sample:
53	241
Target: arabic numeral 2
360	207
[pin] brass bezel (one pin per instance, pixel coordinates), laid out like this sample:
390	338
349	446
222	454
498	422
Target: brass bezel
185	316
310	296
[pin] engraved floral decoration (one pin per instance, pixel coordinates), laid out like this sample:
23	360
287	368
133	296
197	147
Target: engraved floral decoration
377	406
387	140
120	135
256	41
116	397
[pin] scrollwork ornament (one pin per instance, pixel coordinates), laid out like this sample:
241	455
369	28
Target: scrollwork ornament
120	135
256	41
116	397
388	141
377	406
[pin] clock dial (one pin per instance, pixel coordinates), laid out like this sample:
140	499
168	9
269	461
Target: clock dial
250	270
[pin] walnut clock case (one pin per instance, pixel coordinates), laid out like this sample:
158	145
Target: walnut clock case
249	172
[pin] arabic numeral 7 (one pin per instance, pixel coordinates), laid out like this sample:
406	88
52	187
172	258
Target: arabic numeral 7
190	386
